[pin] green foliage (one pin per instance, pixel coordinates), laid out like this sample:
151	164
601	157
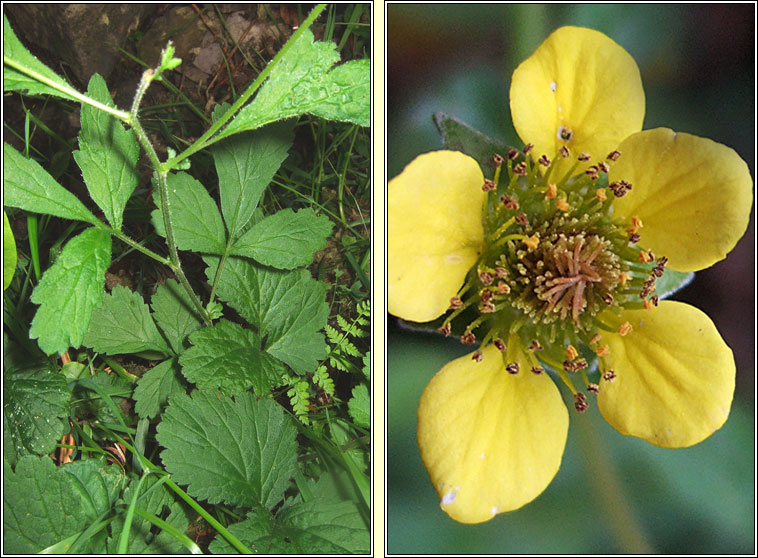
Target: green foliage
9	253
187	380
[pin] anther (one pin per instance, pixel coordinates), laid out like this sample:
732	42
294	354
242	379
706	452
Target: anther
646	257
592	172
486	307
486	278
608	298
584	157
527	148
520	168
603	351
564	134
501	272
544	161
562	205
513	368
600	194
489	185
509	202
445	329
634	238
498	159
512	154
593	388
537	370
477	356
468	338
552	191
580	402
625	329
522	219
499	344
609	375
571	352
574	366
532	242
503	288
456	303
620	188
613	155
564	152
595	339
535	345
603	167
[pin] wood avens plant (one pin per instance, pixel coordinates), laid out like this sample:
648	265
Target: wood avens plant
203	413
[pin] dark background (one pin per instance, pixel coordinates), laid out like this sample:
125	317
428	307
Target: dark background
613	493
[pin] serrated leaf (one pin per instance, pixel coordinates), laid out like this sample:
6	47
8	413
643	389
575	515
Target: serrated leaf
175	315
28	186
15	80
9	253
107	155
98	486
286	239
359	406
288	308
228	357
35	410
461	137
302	84
314	527
156	386
194	215
246	164
69	290
240	452
40	506
122	324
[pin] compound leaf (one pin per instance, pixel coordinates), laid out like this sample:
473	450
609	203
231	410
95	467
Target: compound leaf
15	80
69	290
315	527
123	325
286	239
195	217
240	452
288	308
28	186
302	84
40	506
175	315
246	164
35	410
226	356
156	386
107	155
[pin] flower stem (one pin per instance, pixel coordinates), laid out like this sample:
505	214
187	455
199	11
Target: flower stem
618	514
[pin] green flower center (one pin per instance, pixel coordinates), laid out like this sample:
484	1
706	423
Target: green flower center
554	260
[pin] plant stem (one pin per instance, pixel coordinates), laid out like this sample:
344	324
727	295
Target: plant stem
603	479
204	140
120	114
161	176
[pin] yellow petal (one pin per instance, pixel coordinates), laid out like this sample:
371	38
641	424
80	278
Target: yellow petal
434	232
693	195
491	441
580	80
674	376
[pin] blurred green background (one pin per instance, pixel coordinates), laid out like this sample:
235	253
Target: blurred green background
613	494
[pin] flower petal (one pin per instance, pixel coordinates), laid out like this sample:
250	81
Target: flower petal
434	232
580	80
491	441
692	194
674	377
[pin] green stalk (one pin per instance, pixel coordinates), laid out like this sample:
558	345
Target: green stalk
204	140
120	114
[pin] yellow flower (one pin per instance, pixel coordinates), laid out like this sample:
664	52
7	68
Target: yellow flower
548	275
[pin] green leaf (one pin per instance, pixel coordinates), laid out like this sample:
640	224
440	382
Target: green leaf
672	281
314	527
240	452
98	486
246	164
40	506
107	155
302	84
228	357
14	80
175	314
123	325
286	239
156	386
35	410
288	308
194	215
28	186
69	290
9	253
359	406
460	137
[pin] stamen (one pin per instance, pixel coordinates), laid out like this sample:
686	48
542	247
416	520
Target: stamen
477	356
538	370
544	161
609	375
562	205
593	388
600	194
552	191
584	157
520	168
527	148
512	154
564	152
513	368
509	202
565	134
456	303
498	159
489	185
571	352
613	155
535	345
580	402
499	344
445	329
625	329
468	338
